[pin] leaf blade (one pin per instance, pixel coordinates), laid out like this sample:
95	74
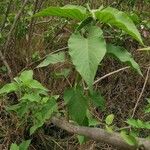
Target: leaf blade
123	55
77	104
87	53
52	59
68	11
119	19
109	119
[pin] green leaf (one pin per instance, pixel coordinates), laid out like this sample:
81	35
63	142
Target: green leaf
24	145
81	139
131	140
84	23
14	146
8	88
77	104
26	76
87	53
133	123
68	11
147	109
20	108
135	18
36	85
119	19
92	121
109	129
43	114
109	119
62	73
32	97
52	59
98	100
123	55
138	123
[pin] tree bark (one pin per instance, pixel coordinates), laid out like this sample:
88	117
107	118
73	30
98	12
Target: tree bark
100	135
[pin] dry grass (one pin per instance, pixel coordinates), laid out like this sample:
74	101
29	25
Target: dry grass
121	90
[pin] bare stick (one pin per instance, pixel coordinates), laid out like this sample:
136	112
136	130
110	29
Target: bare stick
140	96
109	74
99	135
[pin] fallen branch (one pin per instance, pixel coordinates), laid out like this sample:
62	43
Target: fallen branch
100	135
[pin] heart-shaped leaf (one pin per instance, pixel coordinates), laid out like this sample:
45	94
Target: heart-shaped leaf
87	53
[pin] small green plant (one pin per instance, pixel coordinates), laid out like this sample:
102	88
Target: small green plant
35	106
109	120
23	146
87	48
136	126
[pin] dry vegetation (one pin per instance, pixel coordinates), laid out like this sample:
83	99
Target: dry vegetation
120	90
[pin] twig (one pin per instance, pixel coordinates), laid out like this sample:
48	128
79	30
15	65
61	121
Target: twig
140	96
109	74
14	25
43	22
144	49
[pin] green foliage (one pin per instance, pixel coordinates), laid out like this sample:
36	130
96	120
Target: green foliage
87	49
147	110
22	146
14	147
107	15
87	53
68	11
119	19
81	139
123	55
109	119
11	87
77	104
97	100
49	106
138	123
34	100
130	139
52	59
63	73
